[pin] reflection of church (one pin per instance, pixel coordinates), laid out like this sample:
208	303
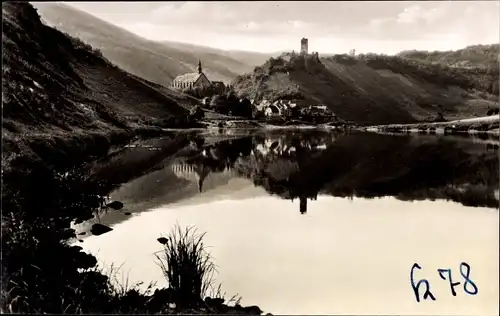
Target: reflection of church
202	174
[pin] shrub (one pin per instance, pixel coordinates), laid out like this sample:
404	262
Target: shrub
187	266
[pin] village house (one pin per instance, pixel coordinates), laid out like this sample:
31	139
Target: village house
272	110
287	108
277	108
219	87
320	110
262	105
206	101
194	80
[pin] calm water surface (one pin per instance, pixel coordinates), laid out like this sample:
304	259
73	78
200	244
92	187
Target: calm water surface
321	223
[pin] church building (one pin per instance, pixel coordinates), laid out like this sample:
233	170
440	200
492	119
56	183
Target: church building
191	80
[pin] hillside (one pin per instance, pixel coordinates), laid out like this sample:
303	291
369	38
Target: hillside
250	59
154	61
470	56
56	89
368	89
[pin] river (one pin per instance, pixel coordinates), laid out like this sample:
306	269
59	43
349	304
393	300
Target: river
310	222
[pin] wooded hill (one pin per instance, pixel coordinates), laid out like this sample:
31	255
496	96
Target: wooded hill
374	89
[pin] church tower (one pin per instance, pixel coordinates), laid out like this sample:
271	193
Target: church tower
202	171
200	70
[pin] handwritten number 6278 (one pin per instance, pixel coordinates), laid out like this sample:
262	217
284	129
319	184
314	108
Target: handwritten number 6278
469	286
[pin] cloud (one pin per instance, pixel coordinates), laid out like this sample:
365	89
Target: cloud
193	13
332	25
454	21
275	17
245	18
409	15
415	14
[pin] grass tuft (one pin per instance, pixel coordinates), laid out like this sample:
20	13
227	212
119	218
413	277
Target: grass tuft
187	266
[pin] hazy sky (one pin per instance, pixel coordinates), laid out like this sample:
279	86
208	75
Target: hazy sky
336	27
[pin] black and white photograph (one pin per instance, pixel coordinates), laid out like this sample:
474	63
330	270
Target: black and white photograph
250	157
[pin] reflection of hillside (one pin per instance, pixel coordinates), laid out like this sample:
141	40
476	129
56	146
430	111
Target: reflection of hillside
302	165
369	165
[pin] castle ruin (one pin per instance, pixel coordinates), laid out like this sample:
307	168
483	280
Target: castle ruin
304	46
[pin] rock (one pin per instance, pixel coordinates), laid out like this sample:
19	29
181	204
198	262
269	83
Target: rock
77	248
214	302
249	310
127	213
253	310
162	240
68	233
159	300
116	205
99	229
83	218
84	260
82	233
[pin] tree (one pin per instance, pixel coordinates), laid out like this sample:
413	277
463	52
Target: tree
201	92
231	97
439	117
295	112
220	104
242	108
216	99
197	113
258	114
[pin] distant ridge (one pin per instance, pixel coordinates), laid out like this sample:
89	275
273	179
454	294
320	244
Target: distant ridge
159	62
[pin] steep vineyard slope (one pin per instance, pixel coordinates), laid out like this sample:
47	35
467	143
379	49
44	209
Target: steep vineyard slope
367	90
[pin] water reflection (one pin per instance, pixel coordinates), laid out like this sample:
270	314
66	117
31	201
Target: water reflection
344	240
303	165
255	157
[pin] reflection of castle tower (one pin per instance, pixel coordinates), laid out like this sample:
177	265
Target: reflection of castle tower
200	174
303	205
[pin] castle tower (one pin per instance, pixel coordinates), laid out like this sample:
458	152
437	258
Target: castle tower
304	46
200	70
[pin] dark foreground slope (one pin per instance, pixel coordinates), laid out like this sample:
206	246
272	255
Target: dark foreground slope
154	61
64	106
57	89
369	89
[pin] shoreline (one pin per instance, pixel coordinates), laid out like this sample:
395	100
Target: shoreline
472	126
118	138
81	154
